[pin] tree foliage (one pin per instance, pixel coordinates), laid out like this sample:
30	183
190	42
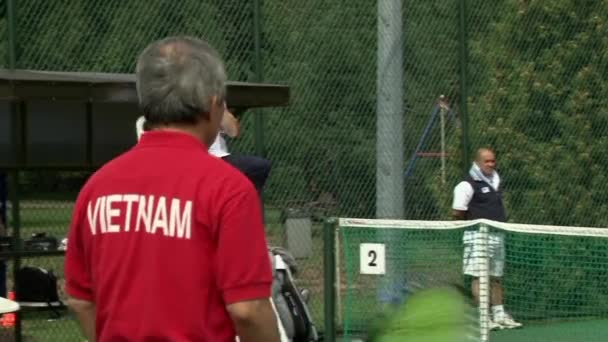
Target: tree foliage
542	102
537	90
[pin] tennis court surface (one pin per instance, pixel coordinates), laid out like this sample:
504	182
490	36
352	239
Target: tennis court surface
583	331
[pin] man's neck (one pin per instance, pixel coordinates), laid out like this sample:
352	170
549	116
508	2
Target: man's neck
194	131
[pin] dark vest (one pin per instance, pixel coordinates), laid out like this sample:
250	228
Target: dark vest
486	202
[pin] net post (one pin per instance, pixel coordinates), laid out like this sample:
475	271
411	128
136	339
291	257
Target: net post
329	284
338	281
484	283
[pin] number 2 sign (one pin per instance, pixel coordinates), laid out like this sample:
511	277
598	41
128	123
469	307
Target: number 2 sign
372	258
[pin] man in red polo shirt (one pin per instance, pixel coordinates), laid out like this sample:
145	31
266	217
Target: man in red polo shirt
166	241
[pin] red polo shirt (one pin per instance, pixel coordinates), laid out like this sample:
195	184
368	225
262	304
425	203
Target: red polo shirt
162	239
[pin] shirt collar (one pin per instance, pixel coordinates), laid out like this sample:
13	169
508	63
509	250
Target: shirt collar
158	138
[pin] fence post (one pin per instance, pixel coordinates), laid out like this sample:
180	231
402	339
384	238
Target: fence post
11	14
389	111
14	187
258	123
329	277
464	71
18	134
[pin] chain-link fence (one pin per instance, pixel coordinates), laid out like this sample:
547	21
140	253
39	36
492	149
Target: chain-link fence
533	72
539	96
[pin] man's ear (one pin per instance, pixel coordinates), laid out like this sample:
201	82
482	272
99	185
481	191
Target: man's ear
215	104
205	116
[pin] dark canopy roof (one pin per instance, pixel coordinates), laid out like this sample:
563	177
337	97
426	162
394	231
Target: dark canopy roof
29	140
27	85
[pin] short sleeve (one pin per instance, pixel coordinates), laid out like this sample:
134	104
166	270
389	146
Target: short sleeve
463	193
242	260
76	269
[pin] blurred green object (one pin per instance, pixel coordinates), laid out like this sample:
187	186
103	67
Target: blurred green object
431	315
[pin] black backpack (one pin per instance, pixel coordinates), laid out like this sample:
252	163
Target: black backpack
36	284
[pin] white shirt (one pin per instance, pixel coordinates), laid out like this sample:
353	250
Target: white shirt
219	148
463	193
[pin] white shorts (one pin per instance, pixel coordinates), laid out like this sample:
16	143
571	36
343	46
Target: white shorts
472	255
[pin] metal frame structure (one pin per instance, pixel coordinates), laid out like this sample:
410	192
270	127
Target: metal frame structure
18	87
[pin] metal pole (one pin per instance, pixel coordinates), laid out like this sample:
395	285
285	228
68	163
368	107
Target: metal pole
423	139
89	133
464	61
329	283
258	123
17	110
338	280
258	117
442	117
389	135
444	109
14	192
18	141
14	196
11	14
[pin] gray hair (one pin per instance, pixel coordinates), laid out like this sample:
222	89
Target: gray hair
176	79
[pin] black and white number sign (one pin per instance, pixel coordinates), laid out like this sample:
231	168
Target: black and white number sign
372	258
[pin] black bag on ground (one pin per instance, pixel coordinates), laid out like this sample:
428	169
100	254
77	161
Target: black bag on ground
36	284
291	302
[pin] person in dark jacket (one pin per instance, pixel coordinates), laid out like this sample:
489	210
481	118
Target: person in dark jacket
479	196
